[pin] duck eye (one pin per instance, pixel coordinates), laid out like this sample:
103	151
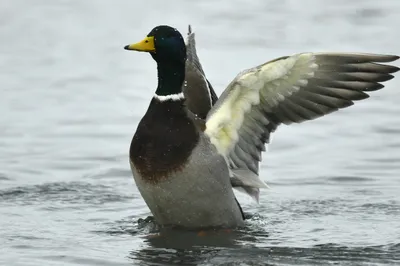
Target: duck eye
146	41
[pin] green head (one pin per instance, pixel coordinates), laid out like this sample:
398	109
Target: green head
167	47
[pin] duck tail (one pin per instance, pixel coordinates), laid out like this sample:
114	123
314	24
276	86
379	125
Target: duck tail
247	182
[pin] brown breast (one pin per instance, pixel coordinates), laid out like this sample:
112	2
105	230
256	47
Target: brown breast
163	141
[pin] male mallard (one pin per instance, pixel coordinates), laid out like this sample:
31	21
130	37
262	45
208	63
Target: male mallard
187	153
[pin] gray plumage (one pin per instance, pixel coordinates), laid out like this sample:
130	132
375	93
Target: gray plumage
180	200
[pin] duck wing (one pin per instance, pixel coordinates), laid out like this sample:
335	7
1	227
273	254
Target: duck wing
290	89
200	95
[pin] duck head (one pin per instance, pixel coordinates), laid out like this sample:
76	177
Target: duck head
164	43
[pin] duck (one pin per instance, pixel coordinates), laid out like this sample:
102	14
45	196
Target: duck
191	149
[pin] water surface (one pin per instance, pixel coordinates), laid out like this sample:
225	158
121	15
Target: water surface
71	99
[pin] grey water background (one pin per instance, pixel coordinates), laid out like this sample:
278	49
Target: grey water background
71	98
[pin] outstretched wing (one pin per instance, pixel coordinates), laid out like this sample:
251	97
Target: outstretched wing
199	93
288	90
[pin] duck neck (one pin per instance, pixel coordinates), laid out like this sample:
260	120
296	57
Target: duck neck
170	78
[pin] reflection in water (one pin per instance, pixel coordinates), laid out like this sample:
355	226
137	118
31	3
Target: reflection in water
238	247
177	247
235	248
190	240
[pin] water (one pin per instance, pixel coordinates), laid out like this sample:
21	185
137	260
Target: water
71	98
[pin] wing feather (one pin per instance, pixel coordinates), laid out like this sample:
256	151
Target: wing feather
289	90
199	93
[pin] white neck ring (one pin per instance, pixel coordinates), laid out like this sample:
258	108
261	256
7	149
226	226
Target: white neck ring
171	97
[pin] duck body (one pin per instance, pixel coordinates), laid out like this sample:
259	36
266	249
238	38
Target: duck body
179	173
192	148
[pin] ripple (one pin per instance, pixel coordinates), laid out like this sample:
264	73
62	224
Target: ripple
323	180
112	173
182	238
391	208
388	129
249	255
320	207
367	192
349	179
130	226
80	260
64	193
3	177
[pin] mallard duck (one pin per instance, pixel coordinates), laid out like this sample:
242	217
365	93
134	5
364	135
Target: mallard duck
190	148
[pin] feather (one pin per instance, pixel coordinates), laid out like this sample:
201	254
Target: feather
289	89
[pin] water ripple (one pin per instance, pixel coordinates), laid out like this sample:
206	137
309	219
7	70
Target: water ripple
64	193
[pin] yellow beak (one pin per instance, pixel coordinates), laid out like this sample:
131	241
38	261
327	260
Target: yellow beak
146	45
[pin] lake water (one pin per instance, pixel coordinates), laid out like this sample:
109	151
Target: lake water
71	98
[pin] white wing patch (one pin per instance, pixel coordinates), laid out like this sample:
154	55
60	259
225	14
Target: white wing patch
272	82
